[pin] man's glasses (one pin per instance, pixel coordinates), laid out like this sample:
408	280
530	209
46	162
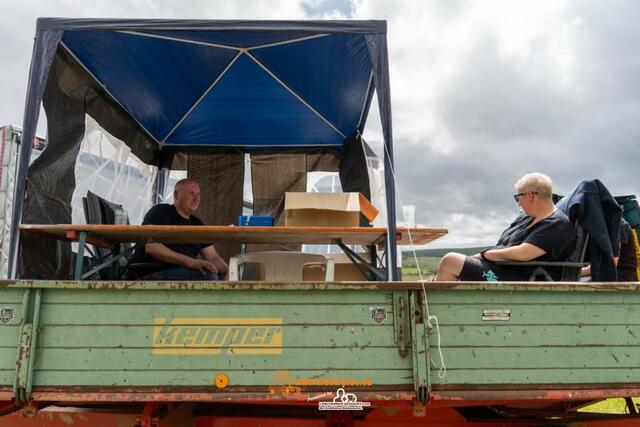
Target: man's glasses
516	197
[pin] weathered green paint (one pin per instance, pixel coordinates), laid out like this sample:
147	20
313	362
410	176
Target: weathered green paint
133	336
292	358
273	296
533	314
498	377
401	378
97	314
575	336
8	360
494	335
101	334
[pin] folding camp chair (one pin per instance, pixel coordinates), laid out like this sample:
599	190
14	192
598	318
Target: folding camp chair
570	268
101	211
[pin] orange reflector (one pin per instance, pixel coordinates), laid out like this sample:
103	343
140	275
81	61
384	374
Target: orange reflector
221	380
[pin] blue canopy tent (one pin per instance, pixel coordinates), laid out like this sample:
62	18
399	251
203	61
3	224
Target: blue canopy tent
188	85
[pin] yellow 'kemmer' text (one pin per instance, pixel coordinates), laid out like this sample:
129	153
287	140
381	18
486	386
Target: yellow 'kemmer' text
199	336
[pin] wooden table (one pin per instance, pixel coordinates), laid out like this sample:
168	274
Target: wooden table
110	236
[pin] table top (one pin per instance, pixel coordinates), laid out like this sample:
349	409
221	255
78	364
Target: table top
108	235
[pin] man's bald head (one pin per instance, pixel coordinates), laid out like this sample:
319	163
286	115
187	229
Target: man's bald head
183	182
186	197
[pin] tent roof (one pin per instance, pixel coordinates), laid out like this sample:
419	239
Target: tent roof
232	83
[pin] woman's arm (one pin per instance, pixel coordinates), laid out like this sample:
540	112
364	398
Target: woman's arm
521	252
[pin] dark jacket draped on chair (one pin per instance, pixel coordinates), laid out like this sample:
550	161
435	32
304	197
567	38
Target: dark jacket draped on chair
595	209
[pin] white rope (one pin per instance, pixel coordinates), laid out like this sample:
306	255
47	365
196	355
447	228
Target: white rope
443	369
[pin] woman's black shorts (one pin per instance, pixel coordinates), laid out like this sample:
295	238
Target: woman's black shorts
479	270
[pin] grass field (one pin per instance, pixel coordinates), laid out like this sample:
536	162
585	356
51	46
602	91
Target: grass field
611	406
428	260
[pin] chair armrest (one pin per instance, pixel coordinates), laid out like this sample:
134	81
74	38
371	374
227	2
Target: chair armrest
543	263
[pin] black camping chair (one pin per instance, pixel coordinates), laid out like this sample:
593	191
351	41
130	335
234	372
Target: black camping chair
101	211
570	268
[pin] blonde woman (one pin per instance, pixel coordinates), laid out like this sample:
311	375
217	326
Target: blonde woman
542	233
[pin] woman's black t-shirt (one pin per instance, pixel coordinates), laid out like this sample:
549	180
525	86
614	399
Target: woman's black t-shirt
555	235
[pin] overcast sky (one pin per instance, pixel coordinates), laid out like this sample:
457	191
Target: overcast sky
482	92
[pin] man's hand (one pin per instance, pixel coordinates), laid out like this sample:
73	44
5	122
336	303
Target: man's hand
203	266
210	254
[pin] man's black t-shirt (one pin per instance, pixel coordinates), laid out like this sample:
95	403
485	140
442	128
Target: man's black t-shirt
555	235
165	214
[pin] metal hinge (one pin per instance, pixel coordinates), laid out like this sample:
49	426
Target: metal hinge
22	362
401	327
27	345
420	348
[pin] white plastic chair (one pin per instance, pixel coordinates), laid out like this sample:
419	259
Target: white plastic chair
281	266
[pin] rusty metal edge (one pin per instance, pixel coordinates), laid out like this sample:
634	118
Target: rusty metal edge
7	395
511	395
310	398
226	285
540	386
437	397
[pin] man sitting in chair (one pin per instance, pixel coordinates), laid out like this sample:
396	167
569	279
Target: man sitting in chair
180	261
542	233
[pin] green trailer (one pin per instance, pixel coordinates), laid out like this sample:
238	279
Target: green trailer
474	353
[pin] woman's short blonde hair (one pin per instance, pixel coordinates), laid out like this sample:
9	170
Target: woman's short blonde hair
535	182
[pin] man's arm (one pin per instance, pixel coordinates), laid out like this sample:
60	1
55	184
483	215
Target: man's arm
521	252
211	255
164	254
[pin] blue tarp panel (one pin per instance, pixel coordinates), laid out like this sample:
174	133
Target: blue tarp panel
331	73
302	92
157	81
249	89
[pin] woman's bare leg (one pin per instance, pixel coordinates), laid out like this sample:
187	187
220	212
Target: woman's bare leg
450	267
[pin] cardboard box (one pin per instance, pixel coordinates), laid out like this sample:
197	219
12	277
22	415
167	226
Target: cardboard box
345	270
324	210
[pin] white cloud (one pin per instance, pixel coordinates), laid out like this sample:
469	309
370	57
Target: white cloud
485	91
482	91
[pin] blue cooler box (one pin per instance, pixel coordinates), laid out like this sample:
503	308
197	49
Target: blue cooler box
256	220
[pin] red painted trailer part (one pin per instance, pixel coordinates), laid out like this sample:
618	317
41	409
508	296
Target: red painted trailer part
472	409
